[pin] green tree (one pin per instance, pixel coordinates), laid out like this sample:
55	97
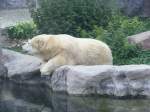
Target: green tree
66	16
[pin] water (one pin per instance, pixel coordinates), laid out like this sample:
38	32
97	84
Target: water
24	98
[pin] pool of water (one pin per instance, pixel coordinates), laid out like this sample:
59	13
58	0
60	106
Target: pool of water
24	98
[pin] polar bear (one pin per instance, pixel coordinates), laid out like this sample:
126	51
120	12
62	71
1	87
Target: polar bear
63	49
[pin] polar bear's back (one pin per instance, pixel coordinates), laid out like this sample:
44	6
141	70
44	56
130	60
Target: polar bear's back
86	51
94	52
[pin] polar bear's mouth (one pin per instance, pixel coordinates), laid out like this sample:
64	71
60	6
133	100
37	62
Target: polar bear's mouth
27	48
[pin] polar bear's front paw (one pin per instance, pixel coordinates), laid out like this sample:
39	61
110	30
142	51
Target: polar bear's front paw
44	72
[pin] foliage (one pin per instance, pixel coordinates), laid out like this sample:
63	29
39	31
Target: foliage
22	30
66	16
90	19
119	29
129	26
143	58
115	35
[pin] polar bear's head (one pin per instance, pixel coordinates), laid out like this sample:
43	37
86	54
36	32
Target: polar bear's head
36	45
27	47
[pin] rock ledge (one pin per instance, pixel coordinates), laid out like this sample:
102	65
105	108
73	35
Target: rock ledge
119	81
128	80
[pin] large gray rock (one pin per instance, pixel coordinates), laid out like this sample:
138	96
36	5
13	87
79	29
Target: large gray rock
0	54
128	80
135	7
131	7
19	65
141	39
13	4
3	69
146	8
12	17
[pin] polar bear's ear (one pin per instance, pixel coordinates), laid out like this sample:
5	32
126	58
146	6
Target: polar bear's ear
40	43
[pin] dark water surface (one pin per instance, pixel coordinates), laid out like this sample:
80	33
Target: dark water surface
19	98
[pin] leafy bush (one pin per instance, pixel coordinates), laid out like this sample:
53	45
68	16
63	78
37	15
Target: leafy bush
143	58
66	16
119	28
129	26
122	50
22	30
115	35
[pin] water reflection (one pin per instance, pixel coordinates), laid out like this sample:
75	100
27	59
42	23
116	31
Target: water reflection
24	98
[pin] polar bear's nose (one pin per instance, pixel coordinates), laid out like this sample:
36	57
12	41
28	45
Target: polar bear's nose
26	47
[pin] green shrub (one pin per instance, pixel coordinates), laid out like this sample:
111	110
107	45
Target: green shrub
119	28
115	35
66	16
119	45
129	26
22	30
143	58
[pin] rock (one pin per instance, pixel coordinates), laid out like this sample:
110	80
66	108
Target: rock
141	39
13	4
3	69
20	66
128	80
118	81
0	55
14	16
131	7
146	8
135	7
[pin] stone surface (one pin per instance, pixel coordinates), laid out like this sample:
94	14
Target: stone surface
135	7
3	69
142	39
0	54
13	4
146	8
19	65
12	17
131	7
118	81
129	80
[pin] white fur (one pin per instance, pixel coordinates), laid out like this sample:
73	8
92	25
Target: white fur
27	47
59	50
